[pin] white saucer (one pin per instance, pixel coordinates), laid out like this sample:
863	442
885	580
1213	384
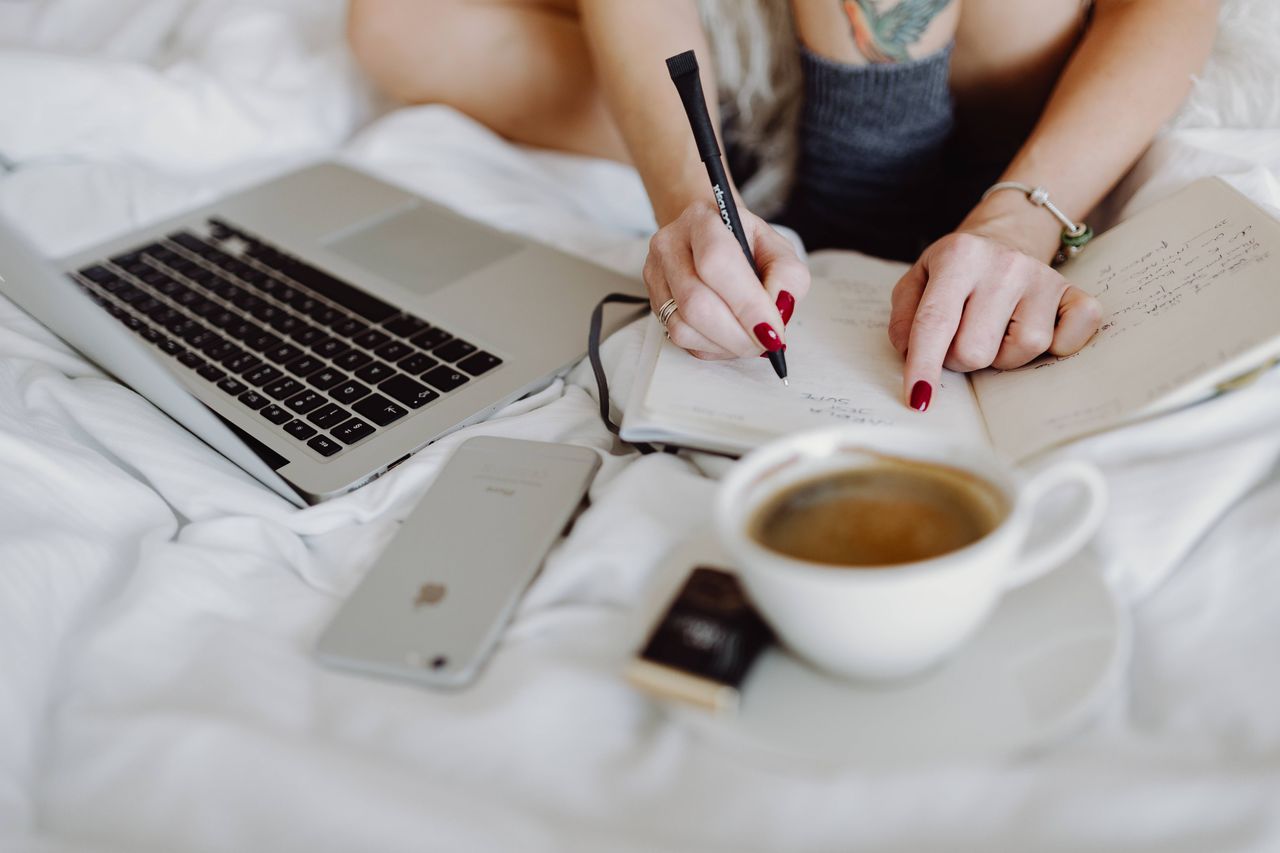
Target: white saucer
1040	668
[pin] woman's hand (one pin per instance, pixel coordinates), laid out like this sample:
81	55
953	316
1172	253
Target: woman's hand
973	300
723	312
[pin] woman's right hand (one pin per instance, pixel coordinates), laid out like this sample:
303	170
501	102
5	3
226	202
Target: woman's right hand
722	310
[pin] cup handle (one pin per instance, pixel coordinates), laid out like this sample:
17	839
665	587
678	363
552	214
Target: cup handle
1037	558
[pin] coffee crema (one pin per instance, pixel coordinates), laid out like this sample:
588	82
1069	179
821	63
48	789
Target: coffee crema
887	513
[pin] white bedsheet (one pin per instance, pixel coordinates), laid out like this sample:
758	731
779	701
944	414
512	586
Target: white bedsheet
157	607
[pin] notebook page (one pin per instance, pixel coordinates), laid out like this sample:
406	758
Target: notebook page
1190	291
842	369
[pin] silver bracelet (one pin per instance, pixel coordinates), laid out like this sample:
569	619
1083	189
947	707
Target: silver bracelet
1074	234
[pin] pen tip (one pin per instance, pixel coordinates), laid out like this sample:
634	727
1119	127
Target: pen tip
785	382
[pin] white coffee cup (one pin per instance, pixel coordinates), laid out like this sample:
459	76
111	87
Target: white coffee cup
893	621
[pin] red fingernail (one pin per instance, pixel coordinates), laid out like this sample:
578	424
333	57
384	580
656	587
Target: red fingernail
786	306
921	394
768	337
766	355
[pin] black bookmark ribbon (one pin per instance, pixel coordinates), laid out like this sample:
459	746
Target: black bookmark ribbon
593	355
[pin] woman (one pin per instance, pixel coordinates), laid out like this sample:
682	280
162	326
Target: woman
907	111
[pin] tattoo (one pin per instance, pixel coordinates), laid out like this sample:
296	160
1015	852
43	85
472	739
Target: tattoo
885	36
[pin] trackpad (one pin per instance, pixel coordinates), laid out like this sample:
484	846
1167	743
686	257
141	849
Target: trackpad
423	250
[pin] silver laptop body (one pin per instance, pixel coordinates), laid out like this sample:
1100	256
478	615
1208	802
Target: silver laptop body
333	323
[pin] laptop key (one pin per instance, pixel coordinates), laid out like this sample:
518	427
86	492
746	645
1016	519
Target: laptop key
113	284
211	373
220	350
324	445
324	314
264	375
454	350
375	372
204	337
170	346
431	337
413	394
233	354
242	329
276	320
202	307
253	400
328	415
128	293
169	287
304	366
349	326
275	414
329	347
188	330
379	409
404	325
326	379
224	319
445	378
243	363
283	389
348	392
263	341
244	300
189	359
222	288
303	402
286	323
417	363
97	273
150	306
370	339
187	240
232	386
353	360
300	429
307	336
291	296
282	354
352	431
393	351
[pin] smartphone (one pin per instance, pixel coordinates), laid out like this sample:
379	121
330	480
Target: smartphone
434	604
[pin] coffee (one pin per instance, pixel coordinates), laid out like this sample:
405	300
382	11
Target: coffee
886	513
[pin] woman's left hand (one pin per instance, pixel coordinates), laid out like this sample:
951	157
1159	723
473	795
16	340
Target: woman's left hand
973	300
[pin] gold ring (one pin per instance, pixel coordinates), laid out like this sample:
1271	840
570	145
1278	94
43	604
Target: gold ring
664	313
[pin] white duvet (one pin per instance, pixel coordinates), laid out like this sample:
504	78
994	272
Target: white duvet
157	607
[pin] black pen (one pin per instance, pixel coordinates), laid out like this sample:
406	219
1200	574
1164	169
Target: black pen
684	73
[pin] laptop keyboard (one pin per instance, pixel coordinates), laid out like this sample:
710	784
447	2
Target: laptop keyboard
326	363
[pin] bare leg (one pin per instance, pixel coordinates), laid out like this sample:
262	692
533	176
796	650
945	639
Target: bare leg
521	67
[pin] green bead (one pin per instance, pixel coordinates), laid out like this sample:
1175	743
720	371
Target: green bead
1078	240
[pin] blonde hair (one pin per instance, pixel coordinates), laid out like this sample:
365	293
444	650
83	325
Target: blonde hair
753	47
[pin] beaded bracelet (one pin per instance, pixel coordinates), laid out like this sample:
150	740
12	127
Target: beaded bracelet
1074	234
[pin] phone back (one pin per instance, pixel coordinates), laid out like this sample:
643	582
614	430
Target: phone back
436	600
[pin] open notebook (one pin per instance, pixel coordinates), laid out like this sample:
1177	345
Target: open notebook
1190	289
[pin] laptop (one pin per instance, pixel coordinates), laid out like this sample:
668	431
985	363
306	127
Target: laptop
320	328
